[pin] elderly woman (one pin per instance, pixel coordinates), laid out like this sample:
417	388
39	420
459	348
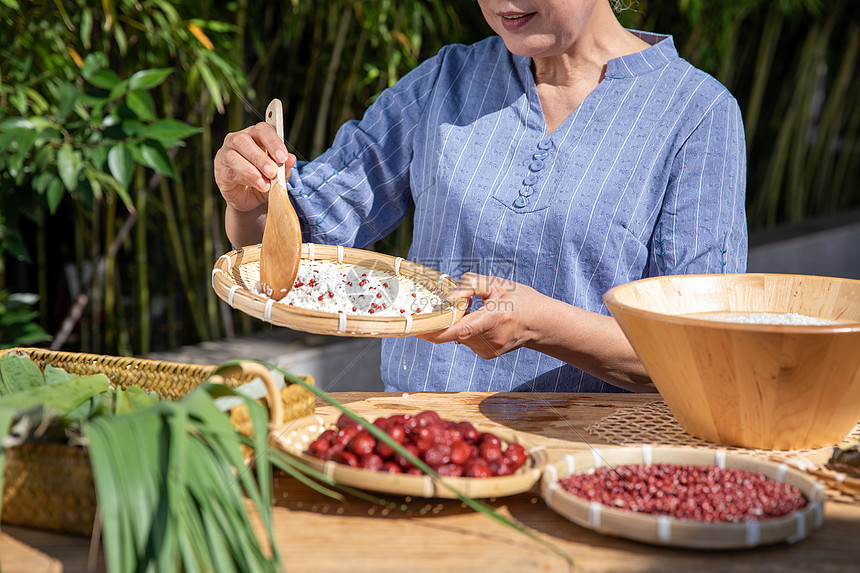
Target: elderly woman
545	165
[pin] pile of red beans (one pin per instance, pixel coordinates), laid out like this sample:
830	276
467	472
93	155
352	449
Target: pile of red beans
696	493
452	449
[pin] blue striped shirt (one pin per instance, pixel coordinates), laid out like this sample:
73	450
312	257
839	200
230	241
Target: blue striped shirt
646	177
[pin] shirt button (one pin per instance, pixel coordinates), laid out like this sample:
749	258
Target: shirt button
526	191
536	165
540	154
545	144
530	179
520	202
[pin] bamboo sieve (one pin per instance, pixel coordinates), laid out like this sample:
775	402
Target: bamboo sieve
236	275
674	532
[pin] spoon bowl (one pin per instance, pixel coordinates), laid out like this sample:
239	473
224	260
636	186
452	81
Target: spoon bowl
281	250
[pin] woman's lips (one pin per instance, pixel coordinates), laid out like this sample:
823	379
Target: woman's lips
513	22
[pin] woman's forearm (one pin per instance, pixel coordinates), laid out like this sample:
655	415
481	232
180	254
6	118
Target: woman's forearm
591	342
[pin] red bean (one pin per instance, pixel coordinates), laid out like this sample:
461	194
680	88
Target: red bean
699	493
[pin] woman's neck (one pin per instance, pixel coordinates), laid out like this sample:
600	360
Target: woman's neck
565	80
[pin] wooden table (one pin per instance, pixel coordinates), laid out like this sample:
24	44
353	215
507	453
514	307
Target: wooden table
317	534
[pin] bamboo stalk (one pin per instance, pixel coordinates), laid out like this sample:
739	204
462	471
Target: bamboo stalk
762	76
846	180
96	301
144	306
183	263
318	143
207	189
824	151
110	325
42	265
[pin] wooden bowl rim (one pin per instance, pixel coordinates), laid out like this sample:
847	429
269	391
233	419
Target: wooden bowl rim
298	434
610	298
792	527
318	322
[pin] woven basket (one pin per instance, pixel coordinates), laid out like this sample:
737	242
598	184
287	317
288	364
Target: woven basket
50	486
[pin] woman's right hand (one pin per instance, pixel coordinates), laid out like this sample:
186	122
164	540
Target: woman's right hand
247	162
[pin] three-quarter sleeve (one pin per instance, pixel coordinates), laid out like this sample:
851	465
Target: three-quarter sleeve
702	225
358	191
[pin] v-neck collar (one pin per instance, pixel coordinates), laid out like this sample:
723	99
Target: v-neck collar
661	53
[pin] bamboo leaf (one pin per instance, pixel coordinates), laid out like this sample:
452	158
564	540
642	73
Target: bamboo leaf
121	164
142	104
148	79
169	129
68	165
104	79
56	192
155	157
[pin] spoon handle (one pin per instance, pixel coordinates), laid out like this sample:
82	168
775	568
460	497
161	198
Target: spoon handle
275	118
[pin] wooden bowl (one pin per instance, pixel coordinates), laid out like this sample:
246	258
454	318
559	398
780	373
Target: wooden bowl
750	385
236	274
670	531
297	436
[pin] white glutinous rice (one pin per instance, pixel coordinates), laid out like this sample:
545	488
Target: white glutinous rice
328	286
787	318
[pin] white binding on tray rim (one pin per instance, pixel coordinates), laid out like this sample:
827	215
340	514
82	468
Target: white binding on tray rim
753	533
232	292
664	528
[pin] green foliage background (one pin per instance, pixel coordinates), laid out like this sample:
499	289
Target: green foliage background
111	113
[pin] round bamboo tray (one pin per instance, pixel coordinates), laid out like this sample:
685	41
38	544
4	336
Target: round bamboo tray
761	386
294	438
670	531
236	275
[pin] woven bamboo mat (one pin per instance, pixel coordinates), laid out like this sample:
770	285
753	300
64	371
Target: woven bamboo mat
653	423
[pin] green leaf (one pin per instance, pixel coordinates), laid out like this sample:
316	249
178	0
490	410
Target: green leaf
15	123
155	157
68	164
104	79
148	79
86	28
62	396
54	375
169	129
18	373
118	90
6	417
121	164
141	103
14	5
55	194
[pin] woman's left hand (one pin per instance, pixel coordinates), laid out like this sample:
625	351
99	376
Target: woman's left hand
505	322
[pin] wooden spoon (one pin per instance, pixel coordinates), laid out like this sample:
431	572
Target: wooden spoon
282	237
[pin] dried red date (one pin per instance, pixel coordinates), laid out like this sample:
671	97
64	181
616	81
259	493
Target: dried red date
453	449
362	443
